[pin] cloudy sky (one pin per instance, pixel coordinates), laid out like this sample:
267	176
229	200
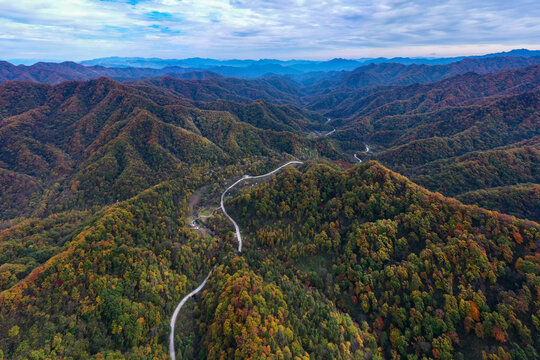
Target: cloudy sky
284	29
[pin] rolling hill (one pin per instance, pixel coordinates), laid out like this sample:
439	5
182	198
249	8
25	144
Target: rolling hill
79	144
465	133
399	74
110	211
424	274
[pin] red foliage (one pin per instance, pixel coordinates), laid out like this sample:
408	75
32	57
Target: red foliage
498	334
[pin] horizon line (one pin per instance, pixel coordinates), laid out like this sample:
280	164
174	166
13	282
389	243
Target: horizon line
26	61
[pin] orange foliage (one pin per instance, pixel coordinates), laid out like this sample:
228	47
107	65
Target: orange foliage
499	334
474	313
518	237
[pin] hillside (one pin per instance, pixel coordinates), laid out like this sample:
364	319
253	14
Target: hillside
478	170
109	288
460	90
54	73
80	144
271	89
465	133
522	200
113	196
381	266
318	77
424	274
400	74
336	64
456	131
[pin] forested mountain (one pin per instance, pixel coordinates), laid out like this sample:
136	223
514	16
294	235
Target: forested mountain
425	275
469	148
80	144
399	74
455	131
482	173
320	76
54	73
296	65
522	200
109	287
245	68
110	212
460	90
274	89
468	132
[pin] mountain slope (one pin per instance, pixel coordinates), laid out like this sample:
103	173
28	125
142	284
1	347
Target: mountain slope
109	215
80	144
270	89
112	286
465	133
427	275
478	170
55	73
461	130
399	74
522	200
461	90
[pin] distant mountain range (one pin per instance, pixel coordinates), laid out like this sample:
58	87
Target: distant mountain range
336	73
54	73
100	179
400	74
282	66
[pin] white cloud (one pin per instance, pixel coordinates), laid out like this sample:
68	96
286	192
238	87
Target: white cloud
78	29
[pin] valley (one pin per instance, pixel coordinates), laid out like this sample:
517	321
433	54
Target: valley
238	238
395	215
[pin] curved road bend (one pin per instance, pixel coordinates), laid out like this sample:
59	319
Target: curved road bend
177	310
367	151
238	235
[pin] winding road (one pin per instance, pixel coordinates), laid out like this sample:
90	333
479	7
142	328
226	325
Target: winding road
366	151
177	310
238	236
245	177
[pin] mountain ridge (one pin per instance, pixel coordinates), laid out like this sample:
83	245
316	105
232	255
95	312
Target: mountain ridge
337	68
112	198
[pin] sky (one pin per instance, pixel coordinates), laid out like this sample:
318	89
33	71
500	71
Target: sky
281	29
